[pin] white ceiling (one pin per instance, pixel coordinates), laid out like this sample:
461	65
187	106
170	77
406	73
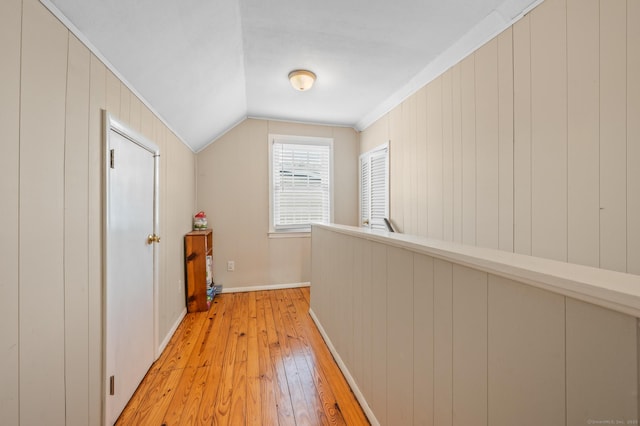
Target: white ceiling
204	65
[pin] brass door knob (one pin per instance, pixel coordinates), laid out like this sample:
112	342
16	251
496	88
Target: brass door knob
153	238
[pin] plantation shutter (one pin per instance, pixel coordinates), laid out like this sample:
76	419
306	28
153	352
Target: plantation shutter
374	188
301	186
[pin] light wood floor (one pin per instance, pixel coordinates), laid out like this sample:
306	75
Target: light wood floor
253	359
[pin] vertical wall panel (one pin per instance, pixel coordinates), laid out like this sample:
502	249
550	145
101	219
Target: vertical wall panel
76	238
44	72
583	131
526	355
522	136
469	346
505	119
113	94
447	155
10	30
356	366
421	162
633	137
367	316
396	164
146	122
135	114
549	130
602	364
443	343
422	340
434	159
399	336
409	171
378	401
468	112
487	145
613	135
456	109
97	102
125	103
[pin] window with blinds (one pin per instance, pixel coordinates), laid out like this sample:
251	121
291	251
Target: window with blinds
374	188
300	182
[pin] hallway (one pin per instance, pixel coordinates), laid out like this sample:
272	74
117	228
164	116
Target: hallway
255	358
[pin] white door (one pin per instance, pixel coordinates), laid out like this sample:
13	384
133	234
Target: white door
129	333
374	188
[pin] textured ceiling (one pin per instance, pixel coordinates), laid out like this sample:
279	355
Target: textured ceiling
204	65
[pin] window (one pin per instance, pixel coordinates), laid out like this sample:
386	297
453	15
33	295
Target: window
374	188
300	182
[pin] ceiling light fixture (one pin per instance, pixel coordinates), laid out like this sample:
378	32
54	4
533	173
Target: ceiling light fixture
302	80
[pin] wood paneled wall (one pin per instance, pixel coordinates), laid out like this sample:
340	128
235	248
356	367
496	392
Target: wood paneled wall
52	92
530	144
431	342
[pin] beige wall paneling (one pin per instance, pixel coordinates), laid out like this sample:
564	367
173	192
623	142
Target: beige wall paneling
42	137
583	131
113	94
469	346
487	145
423	306
505	136
356	293
135	113
602	364
10	33
146	122
97	102
526	355
125	103
422	178
399	336
522	135
344	298
442	343
613	135
366	320
468	110
248	206
396	166
378	401
633	137
375	135
447	155
434	159
549	130
345	176
76	238
409	170
457	152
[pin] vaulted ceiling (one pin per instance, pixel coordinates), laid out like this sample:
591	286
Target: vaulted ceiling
205	65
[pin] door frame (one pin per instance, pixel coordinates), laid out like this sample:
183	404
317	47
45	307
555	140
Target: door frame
111	123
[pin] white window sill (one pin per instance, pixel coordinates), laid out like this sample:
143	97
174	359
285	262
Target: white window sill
289	234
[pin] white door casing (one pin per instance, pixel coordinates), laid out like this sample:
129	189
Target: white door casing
130	293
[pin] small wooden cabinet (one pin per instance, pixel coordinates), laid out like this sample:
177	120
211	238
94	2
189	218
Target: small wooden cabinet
198	250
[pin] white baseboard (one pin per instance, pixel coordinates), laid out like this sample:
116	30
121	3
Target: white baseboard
264	287
347	374
171	332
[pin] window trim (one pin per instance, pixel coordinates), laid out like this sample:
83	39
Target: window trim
302	231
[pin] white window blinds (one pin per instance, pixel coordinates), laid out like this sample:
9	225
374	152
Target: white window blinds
374	188
300	183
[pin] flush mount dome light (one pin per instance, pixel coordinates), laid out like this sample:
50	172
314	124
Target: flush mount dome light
302	80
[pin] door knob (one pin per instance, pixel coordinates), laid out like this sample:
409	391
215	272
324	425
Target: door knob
153	238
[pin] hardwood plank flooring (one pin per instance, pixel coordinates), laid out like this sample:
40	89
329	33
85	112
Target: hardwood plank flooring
254	359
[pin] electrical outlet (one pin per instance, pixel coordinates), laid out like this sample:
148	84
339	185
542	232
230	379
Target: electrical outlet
231	265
